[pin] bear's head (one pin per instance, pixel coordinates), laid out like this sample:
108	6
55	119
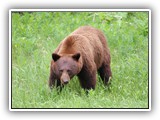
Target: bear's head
66	66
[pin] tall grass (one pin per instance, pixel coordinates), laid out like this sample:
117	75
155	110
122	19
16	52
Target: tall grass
36	35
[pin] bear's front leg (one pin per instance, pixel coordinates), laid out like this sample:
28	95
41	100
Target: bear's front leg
56	83
51	82
87	79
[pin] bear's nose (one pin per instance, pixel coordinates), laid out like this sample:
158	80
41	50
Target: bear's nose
65	81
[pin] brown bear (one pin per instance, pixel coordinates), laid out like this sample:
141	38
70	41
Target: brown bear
82	53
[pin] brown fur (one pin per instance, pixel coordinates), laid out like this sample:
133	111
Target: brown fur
94	55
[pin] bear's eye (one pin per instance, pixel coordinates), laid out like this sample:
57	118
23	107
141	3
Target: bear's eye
61	71
69	71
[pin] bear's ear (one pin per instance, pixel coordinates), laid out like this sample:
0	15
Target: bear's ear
76	56
55	56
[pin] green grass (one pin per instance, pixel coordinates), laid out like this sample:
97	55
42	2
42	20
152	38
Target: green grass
36	35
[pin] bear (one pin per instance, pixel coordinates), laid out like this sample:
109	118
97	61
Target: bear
82	53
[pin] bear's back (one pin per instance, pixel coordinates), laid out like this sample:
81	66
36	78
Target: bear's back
90	33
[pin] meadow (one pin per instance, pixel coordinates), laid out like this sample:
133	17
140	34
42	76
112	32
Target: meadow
35	35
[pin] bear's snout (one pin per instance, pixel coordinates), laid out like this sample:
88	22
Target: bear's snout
65	81
65	78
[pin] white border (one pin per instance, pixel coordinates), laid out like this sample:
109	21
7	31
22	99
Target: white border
10	65
81	10
94	10
150	36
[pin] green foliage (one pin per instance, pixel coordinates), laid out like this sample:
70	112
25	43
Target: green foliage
35	35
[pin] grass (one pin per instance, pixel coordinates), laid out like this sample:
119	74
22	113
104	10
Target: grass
36	35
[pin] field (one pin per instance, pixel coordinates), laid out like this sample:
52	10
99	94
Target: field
35	35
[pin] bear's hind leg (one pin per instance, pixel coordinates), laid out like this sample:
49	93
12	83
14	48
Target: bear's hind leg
105	73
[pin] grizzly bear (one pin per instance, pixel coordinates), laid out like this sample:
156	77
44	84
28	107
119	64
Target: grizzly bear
82	53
